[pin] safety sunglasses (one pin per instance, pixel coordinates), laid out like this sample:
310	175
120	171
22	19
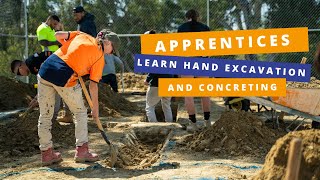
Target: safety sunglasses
18	71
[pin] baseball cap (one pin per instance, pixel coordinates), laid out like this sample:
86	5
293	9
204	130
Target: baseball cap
150	32
111	36
78	9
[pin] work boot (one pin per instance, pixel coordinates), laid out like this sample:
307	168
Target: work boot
83	154
49	157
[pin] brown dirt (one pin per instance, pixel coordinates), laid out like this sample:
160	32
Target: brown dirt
132	81
144	152
234	134
113	104
15	94
313	84
276	160
20	138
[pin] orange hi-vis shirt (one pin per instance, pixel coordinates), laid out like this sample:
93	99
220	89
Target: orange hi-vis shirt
79	55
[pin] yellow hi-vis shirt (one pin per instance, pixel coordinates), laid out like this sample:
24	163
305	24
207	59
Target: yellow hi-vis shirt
44	32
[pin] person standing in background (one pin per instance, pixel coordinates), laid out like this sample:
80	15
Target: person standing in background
85	21
109	71
49	44
152	97
45	35
192	25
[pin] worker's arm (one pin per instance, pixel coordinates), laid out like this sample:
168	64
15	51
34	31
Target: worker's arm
93	88
95	77
148	79
42	36
65	35
47	43
34	102
62	35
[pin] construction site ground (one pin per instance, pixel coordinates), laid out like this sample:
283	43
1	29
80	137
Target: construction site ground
161	150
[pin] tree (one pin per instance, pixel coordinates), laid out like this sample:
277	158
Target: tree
291	13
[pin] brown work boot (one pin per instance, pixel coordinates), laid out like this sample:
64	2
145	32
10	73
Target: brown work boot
49	157
83	154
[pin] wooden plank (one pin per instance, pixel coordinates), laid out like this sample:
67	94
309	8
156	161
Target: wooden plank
305	100
294	159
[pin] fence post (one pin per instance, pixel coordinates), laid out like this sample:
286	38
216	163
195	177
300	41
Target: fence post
26	34
208	13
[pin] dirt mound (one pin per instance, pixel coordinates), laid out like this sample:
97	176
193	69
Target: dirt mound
113	104
15	94
145	151
276	160
313	84
236	134
133	81
20	138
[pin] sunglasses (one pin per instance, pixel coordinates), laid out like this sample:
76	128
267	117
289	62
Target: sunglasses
18	72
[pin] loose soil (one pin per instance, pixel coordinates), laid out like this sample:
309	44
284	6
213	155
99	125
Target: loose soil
20	138
239	134
132	81
144	151
276	160
15	94
313	84
235	134
113	104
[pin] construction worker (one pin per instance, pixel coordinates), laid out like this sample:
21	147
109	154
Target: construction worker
109	71
152	97
45	34
31	66
85	21
192	25
79	55
49	44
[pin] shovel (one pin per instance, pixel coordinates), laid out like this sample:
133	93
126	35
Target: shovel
122	82
113	149
25	113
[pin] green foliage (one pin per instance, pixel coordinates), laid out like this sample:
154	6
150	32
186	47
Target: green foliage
14	51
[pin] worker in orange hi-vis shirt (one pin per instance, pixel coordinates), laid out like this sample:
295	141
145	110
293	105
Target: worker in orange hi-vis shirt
80	54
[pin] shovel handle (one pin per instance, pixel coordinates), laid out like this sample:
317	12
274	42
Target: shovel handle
122	82
25	113
86	93
97	120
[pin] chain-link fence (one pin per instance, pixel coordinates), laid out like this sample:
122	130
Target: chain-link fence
130	18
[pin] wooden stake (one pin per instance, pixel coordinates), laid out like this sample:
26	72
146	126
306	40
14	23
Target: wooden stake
303	60
294	159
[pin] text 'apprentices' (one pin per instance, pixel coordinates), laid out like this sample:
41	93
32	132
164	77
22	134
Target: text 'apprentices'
224	43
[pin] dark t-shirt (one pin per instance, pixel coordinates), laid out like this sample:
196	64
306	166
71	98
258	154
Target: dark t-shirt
88	25
153	79
34	62
193	26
